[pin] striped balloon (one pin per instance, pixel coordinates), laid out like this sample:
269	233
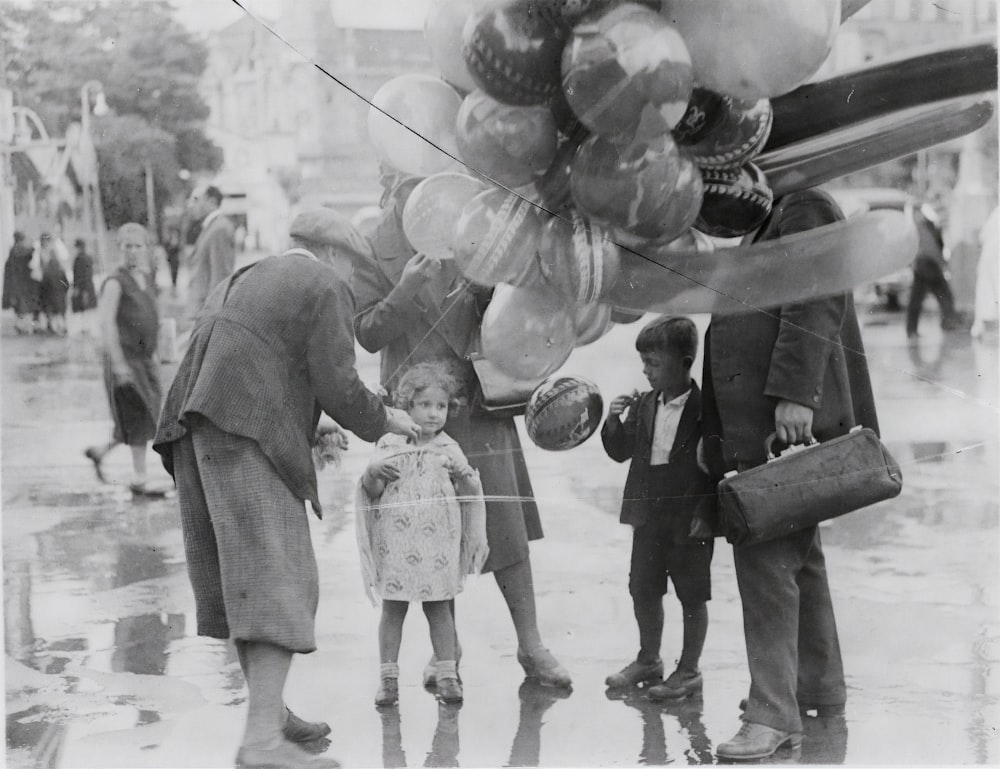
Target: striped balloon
563	412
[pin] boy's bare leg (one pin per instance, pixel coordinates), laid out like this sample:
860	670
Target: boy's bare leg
695	630
649	617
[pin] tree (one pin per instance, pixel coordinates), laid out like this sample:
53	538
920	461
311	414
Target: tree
149	67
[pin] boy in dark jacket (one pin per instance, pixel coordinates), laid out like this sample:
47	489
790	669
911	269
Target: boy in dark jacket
667	500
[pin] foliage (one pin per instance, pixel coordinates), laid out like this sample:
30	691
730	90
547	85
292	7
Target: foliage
148	66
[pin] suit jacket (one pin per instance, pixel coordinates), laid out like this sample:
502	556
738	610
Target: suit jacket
809	353
264	360
212	261
689	490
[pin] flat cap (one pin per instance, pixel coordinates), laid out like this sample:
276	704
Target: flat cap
329	228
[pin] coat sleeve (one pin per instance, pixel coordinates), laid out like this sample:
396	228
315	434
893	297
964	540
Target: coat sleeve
384	311
332	372
619	437
807	330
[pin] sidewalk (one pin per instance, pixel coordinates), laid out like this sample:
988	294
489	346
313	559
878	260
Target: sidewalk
103	668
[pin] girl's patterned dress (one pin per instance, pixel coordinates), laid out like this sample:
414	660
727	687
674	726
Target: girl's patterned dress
420	538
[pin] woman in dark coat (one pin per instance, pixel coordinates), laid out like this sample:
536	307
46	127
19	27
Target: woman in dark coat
20	290
84	294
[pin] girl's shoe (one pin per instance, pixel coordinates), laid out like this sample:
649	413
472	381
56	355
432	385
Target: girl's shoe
430	669
449	689
542	665
388	692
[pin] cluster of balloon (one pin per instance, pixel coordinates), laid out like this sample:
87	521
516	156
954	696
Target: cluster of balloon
525	333
578	259
562	412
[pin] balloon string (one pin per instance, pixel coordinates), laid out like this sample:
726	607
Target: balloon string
750	307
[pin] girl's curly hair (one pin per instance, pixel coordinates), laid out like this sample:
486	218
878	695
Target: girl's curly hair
420	376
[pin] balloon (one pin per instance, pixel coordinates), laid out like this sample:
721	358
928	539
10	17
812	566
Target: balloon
443	34
736	201
426	105
737	136
513	52
432	209
627	62
526	332
623	317
592	322
577	259
563	412
752	49
510	144
496	239
651	189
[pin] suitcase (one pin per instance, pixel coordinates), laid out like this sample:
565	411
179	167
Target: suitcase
806	485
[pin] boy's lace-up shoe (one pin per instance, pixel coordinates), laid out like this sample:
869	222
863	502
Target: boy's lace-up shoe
679	684
756	741
635	673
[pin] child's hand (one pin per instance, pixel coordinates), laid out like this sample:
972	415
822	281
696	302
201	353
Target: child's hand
622	402
383	470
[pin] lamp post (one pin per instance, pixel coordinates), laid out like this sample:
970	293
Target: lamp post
91	187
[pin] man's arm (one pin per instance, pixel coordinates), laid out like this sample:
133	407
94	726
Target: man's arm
385	311
221	257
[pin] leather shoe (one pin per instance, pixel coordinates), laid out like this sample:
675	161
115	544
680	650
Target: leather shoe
679	684
449	690
756	741
636	673
540	664
282	756
299	730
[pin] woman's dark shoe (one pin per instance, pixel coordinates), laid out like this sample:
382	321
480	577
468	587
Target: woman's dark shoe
145	489
299	730
540	664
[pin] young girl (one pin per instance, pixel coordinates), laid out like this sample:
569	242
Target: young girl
421	527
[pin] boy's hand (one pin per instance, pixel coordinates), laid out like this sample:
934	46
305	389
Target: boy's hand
622	402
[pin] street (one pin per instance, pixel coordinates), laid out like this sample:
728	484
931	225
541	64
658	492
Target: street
103	667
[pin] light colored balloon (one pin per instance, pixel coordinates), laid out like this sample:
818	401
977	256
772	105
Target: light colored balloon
754	49
429	107
434	207
443	34
496	239
527	332
592	322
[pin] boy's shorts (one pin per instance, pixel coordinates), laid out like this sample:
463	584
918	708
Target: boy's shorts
656	555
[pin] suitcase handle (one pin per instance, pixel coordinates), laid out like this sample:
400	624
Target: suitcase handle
769	446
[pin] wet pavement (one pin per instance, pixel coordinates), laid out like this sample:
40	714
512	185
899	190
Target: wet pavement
103	668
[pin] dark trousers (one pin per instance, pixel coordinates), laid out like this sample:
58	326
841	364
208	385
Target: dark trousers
791	634
929	277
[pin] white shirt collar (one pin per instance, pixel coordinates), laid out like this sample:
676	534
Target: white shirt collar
678	402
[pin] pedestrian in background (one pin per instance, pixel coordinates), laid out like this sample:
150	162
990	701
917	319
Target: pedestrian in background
668	502
421	527
986	276
84	295
129	324
930	274
21	292
214	254
54	283
272	350
798	371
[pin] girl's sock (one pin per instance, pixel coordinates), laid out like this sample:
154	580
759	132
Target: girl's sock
389	670
447	669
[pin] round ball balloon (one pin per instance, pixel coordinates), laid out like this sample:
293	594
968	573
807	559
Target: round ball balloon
736	201
513	52
496	239
704	111
651	189
432	209
508	143
563	412
526	332
443	27
624	64
754	49
578	259
737	137
426	105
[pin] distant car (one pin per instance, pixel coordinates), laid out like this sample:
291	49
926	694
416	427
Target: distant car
893	290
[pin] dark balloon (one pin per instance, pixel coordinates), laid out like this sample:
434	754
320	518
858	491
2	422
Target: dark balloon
736	201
